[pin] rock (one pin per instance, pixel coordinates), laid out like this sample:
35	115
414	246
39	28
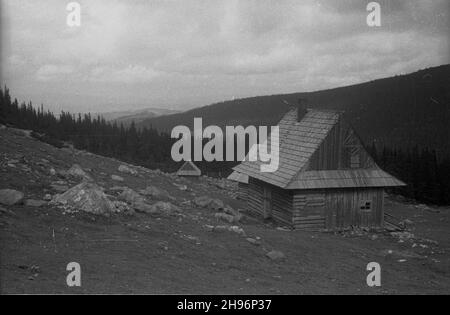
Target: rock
127	170
406	223
35	203
253	241
220	228
225	217
396	254
10	197
165	208
156	193
403	236
216	205
136	201
237	229
181	187
117	178
6	211
202	201
48	197
123	207
52	172
77	171
86	197
59	188
276	255
62	173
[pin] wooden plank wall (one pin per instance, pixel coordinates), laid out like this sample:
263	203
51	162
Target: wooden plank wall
309	207
343	208
337	208
255	202
242	191
281	202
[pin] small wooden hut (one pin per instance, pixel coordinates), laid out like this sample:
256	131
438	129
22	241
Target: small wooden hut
189	169
326	179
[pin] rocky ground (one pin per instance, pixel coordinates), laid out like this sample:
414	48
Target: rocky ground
134	230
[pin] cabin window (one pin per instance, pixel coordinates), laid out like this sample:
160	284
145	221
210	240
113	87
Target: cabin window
366	205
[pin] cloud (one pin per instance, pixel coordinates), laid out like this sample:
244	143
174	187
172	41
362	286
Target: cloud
130	74
53	72
192	52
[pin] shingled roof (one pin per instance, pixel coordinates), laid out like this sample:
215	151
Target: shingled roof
298	142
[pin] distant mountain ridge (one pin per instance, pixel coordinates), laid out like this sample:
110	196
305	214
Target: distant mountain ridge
404	110
126	117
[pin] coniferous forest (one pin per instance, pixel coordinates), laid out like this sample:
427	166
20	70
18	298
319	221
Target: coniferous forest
426	175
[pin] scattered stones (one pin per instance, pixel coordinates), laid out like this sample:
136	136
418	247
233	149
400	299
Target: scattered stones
77	171
225	228
403	236
35	203
117	178
10	197
86	197
276	255
127	170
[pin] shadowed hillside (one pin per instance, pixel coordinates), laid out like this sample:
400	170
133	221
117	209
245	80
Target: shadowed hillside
400	111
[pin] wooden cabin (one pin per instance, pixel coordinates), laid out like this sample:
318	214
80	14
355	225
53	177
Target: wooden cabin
189	169
242	181
326	179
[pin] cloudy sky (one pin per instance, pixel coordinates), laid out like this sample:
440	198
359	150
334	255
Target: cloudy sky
187	53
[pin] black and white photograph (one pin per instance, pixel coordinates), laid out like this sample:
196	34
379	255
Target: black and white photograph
224	154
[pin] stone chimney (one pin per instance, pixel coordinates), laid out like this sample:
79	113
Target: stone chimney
301	108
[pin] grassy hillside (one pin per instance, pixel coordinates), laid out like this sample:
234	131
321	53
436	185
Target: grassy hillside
404	110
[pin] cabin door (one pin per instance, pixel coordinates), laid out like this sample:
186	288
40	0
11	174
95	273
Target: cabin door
267	203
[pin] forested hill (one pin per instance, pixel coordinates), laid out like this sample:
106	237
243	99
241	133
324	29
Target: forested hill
400	111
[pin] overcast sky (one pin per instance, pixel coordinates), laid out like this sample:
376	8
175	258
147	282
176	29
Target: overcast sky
186	53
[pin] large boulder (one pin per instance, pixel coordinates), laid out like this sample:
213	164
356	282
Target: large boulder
87	197
10	197
77	171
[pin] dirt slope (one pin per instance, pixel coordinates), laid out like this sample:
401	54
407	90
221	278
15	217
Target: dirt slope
150	253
